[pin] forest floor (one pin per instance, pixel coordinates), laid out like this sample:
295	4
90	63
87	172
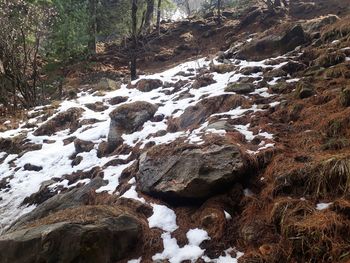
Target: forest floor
288	114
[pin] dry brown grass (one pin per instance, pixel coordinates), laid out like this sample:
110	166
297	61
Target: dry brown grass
337	30
285	209
320	237
330	177
342	206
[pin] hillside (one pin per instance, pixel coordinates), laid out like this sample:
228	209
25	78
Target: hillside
231	146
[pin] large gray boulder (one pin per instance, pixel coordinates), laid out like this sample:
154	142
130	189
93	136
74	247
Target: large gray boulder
128	118
107	239
181	171
273	44
73	198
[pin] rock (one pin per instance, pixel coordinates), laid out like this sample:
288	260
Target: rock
183	47
187	37
117	100
316	24
12	145
42	195
105	148
282	87
304	90
107	239
63	120
198	113
146	85
203	81
253	232
83	146
77	160
179	171
180	73
292	67
275	73
97	106
330	59
5	183
106	84
220	125
273	44
164	55
301	8
248	79
31	167
212	219
251	17
345	97
73	198
69	140
222	68
128	118
240	88
250	70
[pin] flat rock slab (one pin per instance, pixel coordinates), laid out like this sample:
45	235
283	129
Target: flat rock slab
107	240
188	171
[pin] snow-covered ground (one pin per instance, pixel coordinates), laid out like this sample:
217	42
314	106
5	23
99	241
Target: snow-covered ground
54	157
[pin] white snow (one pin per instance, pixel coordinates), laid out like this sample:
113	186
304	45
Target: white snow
227	215
323	206
112	174
163	218
225	259
132	194
176	254
196	236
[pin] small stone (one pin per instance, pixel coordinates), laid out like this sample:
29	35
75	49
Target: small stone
83	146
31	167
117	100
146	85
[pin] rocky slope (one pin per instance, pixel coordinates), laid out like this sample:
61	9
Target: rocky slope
239	158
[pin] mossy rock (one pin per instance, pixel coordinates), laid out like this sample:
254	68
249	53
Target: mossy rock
330	59
340	71
222	68
345	97
281	87
335	144
304	90
106	84
240	88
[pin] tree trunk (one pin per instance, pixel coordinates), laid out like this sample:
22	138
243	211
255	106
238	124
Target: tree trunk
133	59
158	16
188	8
92	26
270	6
219	12
149	15
277	3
